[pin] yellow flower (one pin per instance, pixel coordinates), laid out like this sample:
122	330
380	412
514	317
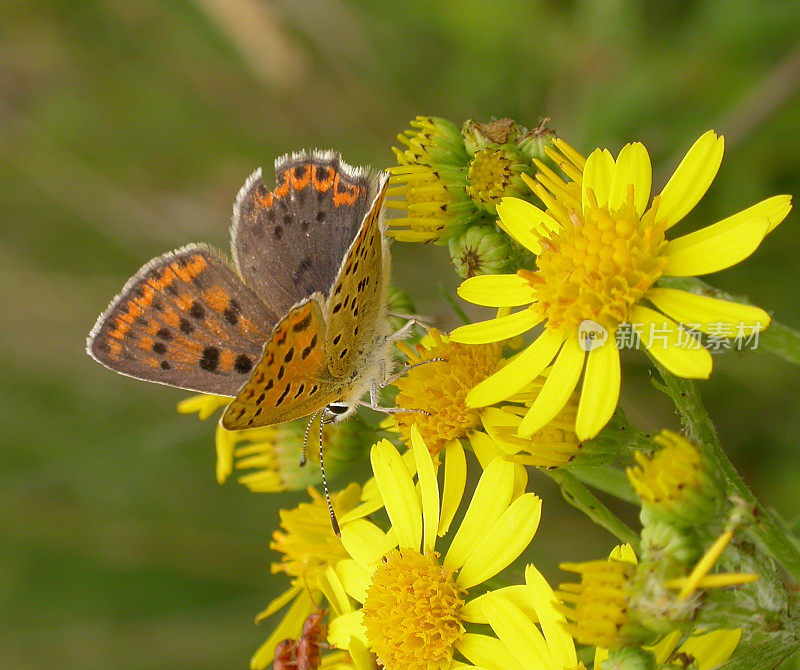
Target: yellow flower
429	182
440	388
601	248
553	445
413	601
619	602
308	548
271	453
707	650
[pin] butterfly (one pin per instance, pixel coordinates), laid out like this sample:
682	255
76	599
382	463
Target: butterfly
297	325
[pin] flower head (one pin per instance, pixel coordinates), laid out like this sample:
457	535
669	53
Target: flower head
429	182
601	248
494	173
401	580
675	482
272	454
620	602
431	141
553	445
440	387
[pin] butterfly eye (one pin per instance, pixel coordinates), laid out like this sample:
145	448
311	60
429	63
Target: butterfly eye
337	409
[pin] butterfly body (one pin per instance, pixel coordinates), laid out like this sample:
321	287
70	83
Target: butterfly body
296	324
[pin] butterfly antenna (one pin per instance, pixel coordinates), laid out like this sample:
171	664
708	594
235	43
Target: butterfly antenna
305	437
334	522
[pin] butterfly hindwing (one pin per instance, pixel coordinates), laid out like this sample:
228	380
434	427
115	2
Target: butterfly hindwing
289	242
291	380
185	319
356	307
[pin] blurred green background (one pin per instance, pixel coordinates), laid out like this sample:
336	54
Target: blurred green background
126	129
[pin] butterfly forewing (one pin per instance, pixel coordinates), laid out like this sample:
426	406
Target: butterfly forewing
187	320
289	242
291	380
356	306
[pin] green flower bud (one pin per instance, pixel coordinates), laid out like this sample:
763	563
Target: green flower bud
676	484
534	143
629	658
431	141
661	540
479	250
479	136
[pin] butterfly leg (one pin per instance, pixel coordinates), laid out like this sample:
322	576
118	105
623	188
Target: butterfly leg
374	402
404	331
393	378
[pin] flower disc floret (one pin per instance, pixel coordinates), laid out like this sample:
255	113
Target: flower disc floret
411	613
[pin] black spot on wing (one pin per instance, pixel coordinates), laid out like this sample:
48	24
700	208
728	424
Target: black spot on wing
210	359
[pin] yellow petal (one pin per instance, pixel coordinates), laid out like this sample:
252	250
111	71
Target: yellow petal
429	489
552	621
520	481
526	223
519	634
280	602
485	448
344	627
623	552
484	651
362	659
334	591
497	291
597	175
726	242
712	649
364	541
666	645
520	370
355	578
398	493
519	594
632	169
558	388
504	541
670	345
705	313
491	498
362	510
600	391
691	179
455	479
290	626
497	329
370	489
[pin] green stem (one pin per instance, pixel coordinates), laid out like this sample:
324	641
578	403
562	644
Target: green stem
460	313
580	497
768	528
608	479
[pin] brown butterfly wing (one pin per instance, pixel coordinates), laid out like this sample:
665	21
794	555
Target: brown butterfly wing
289	242
356	308
187	320
291	380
